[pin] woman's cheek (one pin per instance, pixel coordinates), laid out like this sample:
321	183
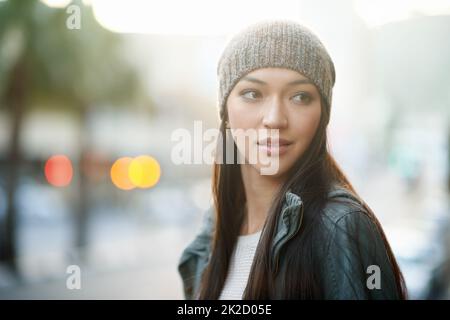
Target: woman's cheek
305	135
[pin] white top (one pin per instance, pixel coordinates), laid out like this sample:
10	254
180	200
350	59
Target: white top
240	265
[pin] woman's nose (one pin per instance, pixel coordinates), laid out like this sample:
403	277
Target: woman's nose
275	117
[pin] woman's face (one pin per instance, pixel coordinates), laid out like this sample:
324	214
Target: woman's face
274	98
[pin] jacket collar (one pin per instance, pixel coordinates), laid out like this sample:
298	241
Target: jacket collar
290	220
288	224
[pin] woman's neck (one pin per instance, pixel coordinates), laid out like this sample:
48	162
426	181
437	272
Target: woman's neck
259	192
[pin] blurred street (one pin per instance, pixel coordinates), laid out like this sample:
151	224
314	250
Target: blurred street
92	92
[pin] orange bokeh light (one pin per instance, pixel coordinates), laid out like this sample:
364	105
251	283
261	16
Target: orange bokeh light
119	173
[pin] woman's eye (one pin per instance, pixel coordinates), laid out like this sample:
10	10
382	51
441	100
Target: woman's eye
302	97
250	95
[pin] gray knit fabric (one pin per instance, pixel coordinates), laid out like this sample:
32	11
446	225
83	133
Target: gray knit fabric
275	43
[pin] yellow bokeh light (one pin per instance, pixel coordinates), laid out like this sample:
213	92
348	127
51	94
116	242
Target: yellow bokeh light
119	174
144	171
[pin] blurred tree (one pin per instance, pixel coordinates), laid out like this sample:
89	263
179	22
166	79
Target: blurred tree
44	63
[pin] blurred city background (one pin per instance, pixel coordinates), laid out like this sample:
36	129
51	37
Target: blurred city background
81	97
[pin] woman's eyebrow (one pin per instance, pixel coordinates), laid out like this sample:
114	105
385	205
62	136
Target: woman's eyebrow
299	81
251	79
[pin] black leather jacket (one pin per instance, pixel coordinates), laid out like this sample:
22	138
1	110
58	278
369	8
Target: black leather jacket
344	259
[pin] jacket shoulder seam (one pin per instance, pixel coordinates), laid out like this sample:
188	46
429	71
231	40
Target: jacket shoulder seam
337	219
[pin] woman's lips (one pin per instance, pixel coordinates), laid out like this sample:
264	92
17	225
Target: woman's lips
273	147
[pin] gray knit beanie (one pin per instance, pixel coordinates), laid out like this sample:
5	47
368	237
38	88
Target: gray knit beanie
275	43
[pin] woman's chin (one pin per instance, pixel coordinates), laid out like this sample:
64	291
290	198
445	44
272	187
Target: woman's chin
271	170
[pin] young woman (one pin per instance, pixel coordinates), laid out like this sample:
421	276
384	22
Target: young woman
302	232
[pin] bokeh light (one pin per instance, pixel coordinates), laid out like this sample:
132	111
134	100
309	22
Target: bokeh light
119	173
144	171
58	170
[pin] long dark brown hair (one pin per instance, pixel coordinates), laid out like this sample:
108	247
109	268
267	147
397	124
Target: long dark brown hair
310	177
